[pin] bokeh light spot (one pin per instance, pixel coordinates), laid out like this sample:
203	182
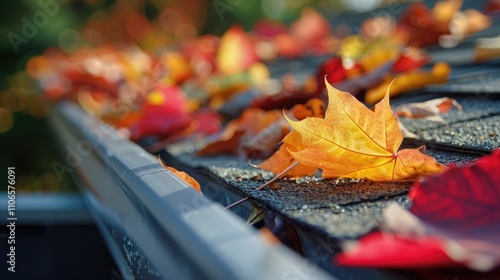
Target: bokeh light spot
70	40
275	9
361	6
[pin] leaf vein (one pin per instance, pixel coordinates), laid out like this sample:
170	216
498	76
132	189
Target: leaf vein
342	147
359	127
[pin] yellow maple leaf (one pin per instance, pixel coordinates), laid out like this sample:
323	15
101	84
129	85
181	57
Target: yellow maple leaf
353	141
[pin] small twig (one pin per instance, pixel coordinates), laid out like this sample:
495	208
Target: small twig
277	176
237	202
264	185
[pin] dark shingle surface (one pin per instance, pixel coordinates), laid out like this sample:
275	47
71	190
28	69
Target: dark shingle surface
483	134
473	108
482	83
347	222
341	208
476	127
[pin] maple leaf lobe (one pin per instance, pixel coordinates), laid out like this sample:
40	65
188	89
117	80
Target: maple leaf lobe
353	141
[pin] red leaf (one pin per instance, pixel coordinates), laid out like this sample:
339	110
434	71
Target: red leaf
410	58
457	214
462	202
206	122
334	71
387	250
268	28
164	114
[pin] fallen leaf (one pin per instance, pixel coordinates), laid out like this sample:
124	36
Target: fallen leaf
252	121
285	99
313	108
375	58
470	194
268	237
409	59
385	250
282	158
288	46
463	204
443	11
455	217
409	81
235	105
235	53
164	114
257	133
419	25
205	122
310	30
178	66
368	80
202	54
268	28
334	69
185	177
353	141
430	110
265	143
256	215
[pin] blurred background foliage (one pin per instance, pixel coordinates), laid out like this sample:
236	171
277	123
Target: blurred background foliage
24	135
28	27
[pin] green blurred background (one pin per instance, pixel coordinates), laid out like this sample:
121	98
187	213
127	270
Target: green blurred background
24	135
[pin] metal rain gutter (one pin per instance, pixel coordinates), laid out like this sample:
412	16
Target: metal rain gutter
155	225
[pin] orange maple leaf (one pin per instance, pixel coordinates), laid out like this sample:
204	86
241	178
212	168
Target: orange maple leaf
185	177
353	141
251	122
282	158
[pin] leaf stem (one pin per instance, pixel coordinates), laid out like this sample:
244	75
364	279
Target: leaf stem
237	203
264	185
277	176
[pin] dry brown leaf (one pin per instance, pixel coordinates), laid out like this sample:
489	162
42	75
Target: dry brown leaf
257	133
282	158
429	110
252	121
264	143
185	177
